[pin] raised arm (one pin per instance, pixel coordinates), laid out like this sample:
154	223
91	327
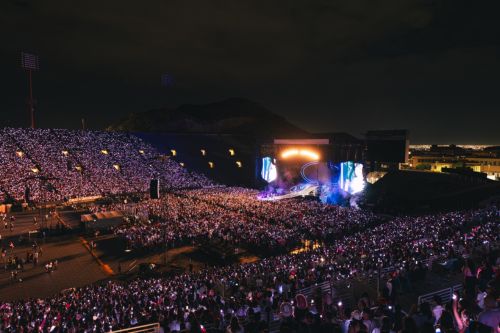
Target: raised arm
458	319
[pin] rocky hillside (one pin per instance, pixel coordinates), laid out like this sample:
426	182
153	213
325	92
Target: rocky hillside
231	116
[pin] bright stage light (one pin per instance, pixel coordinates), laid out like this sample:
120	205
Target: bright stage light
309	154
351	177
268	172
290	152
300	152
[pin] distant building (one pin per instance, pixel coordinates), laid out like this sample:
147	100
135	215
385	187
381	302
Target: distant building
481	159
386	149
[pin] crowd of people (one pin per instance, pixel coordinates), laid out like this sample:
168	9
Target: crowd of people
46	165
235	216
255	292
54	165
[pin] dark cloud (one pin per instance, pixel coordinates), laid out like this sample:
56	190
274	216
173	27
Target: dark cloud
326	65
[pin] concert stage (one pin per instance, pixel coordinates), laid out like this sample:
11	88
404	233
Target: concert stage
311	167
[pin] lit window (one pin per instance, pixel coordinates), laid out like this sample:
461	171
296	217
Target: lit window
239	164
231	152
203	152
211	165
104	151
174	152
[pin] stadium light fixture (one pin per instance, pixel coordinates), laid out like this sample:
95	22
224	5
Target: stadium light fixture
181	164
203	152
116	166
231	152
19	153
104	152
239	164
30	63
65	152
174	152
211	165
141	152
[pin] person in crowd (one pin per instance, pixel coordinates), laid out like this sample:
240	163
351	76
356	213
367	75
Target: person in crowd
490	316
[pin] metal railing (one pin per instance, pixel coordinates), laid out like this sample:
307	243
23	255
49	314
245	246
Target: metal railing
308	291
445	294
149	328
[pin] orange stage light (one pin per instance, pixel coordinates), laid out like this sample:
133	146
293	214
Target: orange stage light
294	152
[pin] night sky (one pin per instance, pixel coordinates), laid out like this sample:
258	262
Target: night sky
431	66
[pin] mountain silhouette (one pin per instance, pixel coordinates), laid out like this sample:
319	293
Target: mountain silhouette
237	116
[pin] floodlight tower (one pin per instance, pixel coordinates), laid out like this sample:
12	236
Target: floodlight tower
29	63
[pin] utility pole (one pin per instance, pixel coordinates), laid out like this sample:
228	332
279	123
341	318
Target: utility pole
30	63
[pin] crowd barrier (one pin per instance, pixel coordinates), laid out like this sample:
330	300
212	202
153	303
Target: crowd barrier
83	199
324	286
445	294
149	328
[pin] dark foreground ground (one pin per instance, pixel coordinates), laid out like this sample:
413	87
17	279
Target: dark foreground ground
78	264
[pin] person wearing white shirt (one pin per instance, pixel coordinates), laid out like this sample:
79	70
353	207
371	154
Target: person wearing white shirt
437	310
481	295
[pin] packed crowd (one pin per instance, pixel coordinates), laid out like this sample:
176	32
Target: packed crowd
220	297
54	165
58	164
235	216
